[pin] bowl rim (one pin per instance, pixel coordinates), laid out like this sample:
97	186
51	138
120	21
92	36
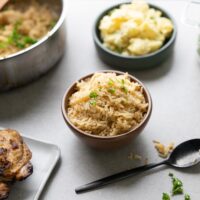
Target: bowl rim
100	44
133	78
44	38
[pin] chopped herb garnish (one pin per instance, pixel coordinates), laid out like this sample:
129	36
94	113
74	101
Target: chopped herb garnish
187	197
93	102
93	95
3	45
15	36
176	189
17	24
52	24
29	40
110	82
122	82
18	39
111	90
20	45
165	196
124	89
177	185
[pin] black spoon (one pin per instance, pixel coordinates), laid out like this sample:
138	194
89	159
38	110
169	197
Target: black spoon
186	154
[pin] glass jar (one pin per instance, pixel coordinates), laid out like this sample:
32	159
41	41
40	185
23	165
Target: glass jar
192	17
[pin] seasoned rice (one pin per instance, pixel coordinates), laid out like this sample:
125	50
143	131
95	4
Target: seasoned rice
107	104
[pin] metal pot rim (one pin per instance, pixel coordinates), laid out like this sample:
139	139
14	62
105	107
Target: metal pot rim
43	39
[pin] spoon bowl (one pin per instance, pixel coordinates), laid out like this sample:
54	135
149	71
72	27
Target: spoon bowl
186	154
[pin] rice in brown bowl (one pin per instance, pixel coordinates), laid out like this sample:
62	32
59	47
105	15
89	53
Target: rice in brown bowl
107	104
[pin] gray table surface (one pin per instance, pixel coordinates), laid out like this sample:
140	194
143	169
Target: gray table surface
35	111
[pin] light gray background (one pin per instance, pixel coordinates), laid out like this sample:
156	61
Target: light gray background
175	88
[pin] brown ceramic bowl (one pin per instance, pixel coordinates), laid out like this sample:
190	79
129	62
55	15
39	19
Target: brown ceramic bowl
106	142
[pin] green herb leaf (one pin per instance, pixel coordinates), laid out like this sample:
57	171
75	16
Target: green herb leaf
122	81
177	185
18	39
178	190
29	40
124	89
93	102
52	24
111	90
110	82
20	45
3	45
187	197
15	37
93	95
165	196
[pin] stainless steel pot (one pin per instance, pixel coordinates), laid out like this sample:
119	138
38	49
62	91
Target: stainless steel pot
29	64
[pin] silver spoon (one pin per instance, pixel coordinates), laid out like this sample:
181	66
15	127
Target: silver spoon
186	154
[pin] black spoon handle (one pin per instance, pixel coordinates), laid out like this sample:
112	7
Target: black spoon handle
116	177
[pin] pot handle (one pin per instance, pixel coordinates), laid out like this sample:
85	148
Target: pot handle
191	15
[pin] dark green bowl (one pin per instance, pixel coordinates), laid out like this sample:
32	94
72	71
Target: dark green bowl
133	62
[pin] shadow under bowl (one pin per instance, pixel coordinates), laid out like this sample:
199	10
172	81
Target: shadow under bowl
133	62
106	142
